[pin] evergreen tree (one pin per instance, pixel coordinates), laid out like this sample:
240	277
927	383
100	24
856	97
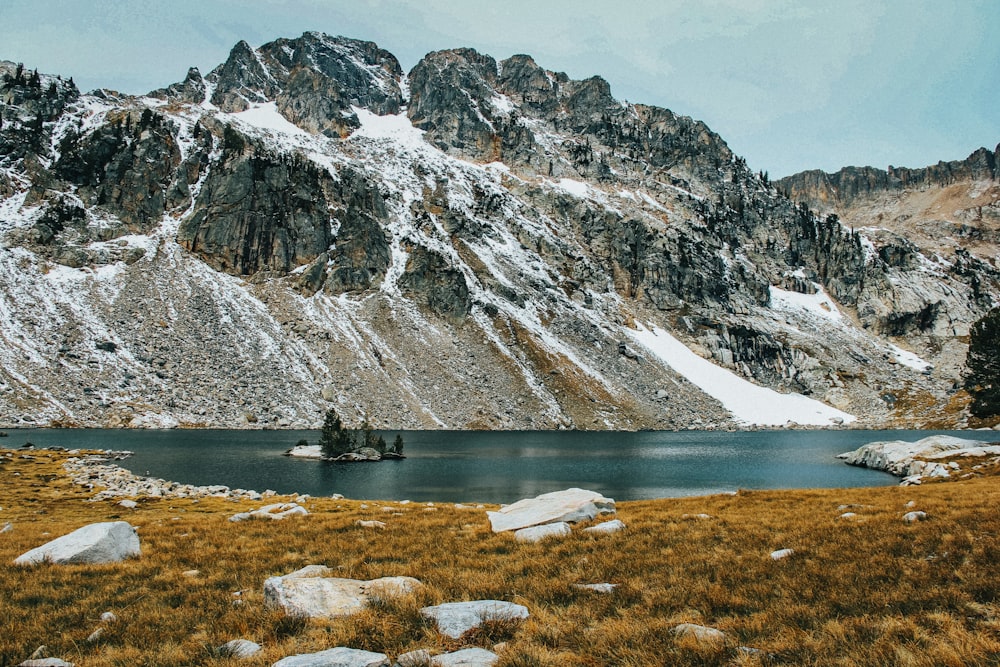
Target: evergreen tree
983	361
335	439
397	444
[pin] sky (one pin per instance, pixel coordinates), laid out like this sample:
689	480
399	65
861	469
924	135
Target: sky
789	84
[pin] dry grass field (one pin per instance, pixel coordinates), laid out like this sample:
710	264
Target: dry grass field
867	590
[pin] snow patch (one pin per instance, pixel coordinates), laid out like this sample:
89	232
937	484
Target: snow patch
909	359
819	304
750	404
575	188
396	127
266	117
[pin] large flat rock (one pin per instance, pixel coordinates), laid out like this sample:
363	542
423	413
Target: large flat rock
105	542
454	619
570	506
311	593
336	657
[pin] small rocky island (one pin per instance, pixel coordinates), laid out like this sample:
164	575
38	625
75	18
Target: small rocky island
338	443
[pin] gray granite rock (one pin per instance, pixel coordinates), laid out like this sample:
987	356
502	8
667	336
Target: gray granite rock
454	619
336	657
105	542
570	506
469	657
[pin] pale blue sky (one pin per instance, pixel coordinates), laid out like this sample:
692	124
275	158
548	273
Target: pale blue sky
789	84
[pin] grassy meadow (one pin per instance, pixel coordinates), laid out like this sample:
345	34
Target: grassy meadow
867	590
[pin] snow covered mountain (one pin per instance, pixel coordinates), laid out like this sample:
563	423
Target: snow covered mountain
475	244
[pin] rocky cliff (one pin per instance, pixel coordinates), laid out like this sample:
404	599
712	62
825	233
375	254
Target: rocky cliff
475	244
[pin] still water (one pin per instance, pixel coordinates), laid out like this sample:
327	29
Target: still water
500	467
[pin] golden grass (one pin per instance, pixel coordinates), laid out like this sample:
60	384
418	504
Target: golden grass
864	591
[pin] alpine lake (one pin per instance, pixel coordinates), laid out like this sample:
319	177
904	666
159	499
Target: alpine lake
497	466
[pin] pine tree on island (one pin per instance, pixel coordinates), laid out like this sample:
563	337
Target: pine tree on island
339	443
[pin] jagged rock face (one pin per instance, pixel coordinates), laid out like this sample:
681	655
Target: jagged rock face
256	212
479	261
314	80
124	169
436	284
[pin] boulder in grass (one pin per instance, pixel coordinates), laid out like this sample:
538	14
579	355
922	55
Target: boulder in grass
539	533
570	506
469	657
240	649
336	657
606	528
310	593
454	619
45	662
105	542
700	633
913	517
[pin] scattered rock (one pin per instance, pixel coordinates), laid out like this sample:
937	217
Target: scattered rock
596	588
539	533
570	506
470	657
7	527
418	658
95	635
336	657
370	524
128	504
46	662
781	554
309	592
606	528
240	648
106	542
700	517
913	517
454	619
108	617
700	633
190	573
848	515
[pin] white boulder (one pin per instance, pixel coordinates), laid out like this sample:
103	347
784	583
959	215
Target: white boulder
781	554
275	512
105	542
913	517
539	533
336	657
240	648
469	657
311	593
454	619
570	506
606	528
